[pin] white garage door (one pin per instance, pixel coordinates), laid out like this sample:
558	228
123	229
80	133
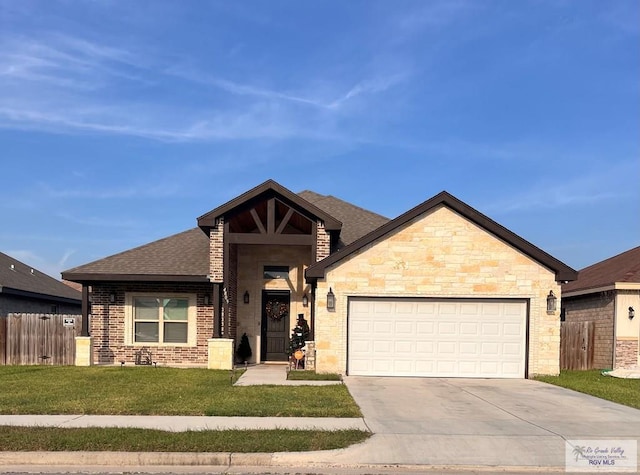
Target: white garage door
439	338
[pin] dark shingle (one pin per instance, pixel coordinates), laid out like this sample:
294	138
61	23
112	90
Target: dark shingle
624	267
16	275
356	221
183	254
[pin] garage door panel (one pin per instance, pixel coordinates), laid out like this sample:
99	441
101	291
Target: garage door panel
446	328
490	329
405	327
404	347
440	338
425	328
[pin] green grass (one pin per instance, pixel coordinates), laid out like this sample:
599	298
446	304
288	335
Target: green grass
160	391
312	376
145	440
622	391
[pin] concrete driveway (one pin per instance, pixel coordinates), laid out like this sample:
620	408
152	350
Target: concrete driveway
477	422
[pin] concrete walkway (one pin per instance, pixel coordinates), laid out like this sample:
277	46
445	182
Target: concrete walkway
274	374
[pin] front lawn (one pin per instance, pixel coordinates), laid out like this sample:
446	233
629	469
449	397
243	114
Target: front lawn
160	391
145	440
622	391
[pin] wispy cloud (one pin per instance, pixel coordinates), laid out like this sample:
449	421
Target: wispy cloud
366	86
132	191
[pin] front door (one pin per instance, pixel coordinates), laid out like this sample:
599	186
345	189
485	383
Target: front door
275	325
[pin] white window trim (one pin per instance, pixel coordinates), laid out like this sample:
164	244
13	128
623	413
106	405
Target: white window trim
129	339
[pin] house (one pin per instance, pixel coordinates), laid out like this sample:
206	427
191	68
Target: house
24	289
441	290
608	293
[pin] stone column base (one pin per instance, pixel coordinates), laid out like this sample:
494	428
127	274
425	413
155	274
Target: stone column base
220	353
310	355
84	351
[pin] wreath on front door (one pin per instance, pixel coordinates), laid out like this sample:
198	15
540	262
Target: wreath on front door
276	310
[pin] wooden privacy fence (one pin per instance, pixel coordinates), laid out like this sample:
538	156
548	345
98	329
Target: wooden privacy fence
576	345
38	339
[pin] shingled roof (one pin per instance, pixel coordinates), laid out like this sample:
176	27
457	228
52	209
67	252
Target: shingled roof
608	274
185	256
356	221
182	257
18	278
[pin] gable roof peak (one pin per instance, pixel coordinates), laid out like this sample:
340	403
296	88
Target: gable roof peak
444	198
208	220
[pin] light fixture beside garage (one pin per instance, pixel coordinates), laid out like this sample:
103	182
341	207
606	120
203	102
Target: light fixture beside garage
551	302
632	313
246	297
331	300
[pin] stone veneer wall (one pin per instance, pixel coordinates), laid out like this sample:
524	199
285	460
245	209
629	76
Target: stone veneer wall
440	254
626	353
107	325
598	308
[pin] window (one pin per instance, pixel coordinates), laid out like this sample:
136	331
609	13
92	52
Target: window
276	272
161	319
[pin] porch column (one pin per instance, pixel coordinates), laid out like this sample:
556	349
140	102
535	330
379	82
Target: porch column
84	329
217	311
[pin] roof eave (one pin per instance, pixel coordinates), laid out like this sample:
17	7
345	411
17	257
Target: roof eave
39	296
107	277
602	288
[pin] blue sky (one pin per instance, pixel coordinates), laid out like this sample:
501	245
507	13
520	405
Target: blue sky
121	122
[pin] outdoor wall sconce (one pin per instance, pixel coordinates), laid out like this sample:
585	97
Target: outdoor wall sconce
551	302
246	296
207	299
632	313
305	300
112	297
331	300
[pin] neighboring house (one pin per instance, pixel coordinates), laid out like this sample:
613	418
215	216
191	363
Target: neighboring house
608	293
442	290
24	289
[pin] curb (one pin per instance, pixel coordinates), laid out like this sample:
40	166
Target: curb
227	459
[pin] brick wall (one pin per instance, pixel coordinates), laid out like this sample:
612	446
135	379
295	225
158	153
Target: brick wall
323	242
107	325
438	255
216	251
598	308
17	304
